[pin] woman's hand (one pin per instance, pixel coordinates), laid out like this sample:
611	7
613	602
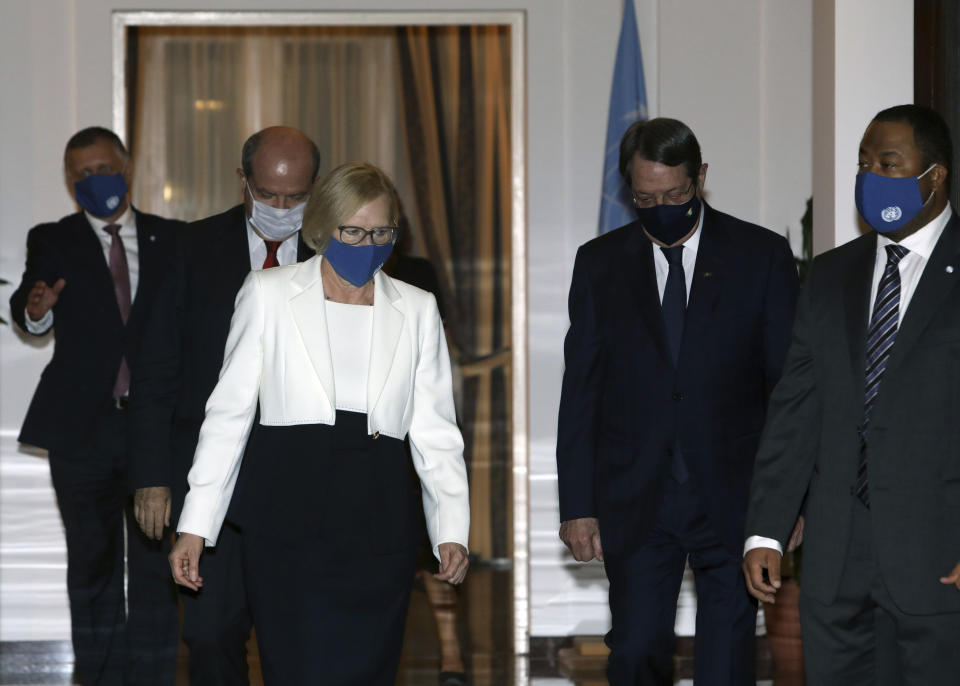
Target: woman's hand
453	563
185	561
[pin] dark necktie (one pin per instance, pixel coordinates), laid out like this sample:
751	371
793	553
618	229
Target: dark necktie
880	337
271	258
120	272
674	307
674	303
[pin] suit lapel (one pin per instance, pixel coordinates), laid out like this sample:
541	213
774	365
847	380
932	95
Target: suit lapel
641	277
148	269
934	287
90	250
309	314
236	248
856	304
147	254
387	324
304	251
708	277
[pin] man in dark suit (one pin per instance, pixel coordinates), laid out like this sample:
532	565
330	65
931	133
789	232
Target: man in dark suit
180	365
93	277
662	404
864	424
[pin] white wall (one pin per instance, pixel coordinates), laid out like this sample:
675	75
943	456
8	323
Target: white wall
739	73
864	63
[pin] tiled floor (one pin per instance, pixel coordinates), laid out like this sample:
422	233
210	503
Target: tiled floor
485	628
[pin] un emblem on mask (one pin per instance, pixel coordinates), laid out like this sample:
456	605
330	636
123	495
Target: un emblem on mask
114	200
891	214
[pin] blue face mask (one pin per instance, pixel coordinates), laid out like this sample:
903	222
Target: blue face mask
101	194
669	223
887	203
357	263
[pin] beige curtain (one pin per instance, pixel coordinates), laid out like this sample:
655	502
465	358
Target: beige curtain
201	91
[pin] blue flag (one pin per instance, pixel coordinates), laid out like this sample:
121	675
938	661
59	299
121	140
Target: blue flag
628	102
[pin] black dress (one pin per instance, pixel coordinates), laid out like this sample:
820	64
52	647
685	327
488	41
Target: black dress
330	528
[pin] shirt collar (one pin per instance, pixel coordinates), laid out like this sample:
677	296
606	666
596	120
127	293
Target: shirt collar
254	240
693	243
125	220
924	239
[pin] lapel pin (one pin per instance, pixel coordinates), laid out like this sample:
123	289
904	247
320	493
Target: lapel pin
707	275
950	269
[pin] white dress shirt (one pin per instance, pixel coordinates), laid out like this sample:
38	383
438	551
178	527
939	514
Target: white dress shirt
286	253
351	331
911	266
128	233
688	257
920	245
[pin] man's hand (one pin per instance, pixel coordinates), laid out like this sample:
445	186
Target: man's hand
954	577
453	563
185	561
796	537
151	509
42	297
582	537
754	564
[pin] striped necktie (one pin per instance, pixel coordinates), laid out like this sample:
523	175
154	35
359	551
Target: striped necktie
880	337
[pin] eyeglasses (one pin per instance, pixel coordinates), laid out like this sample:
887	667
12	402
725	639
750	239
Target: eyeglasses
380	235
670	198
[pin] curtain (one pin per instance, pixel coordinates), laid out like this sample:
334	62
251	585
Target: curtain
201	91
455	102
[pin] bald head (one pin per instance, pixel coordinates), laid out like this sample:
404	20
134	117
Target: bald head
279	166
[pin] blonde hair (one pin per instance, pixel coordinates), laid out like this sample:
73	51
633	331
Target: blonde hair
339	195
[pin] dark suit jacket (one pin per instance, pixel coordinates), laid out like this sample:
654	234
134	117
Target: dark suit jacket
181	358
624	407
811	437
76	386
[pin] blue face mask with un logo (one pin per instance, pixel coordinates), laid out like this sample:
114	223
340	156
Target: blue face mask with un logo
887	203
101	194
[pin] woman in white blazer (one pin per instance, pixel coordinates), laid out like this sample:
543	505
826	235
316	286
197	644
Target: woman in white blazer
341	362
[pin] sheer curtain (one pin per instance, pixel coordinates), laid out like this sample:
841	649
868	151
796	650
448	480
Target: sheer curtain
200	91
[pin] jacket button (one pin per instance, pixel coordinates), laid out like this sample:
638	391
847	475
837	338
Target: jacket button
376	435
677	397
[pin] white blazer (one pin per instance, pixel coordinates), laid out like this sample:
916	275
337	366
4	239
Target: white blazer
278	353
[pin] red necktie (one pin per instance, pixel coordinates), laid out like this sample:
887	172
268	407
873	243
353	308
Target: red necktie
271	259
121	287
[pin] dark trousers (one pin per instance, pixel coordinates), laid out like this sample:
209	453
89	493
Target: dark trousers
324	617
863	638
117	638
216	620
644	586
